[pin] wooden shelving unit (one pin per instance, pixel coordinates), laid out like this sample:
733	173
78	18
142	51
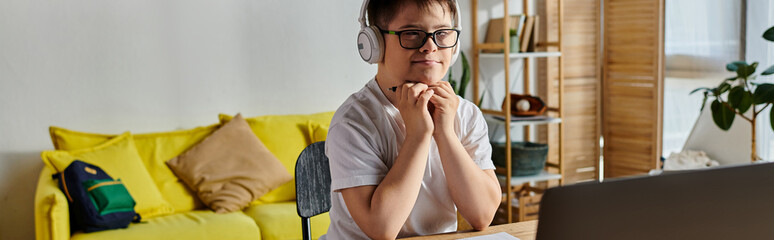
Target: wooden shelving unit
519	189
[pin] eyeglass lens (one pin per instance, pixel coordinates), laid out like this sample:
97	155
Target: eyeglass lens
415	39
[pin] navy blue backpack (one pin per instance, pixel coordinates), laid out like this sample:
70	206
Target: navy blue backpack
97	202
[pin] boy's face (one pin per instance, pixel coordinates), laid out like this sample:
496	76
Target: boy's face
427	64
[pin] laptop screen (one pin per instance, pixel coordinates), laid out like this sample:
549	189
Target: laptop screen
717	203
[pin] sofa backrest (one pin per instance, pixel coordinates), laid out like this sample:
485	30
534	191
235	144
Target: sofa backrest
284	135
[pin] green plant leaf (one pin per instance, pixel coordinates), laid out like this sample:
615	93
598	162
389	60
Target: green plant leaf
746	70
740	99
721	115
452	82
733	66
735	96
732	78
768	71
699	89
724	87
481	100
763	93
465	79
747	102
769	34
771	117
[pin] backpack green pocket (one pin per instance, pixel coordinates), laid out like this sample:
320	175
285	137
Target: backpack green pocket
109	196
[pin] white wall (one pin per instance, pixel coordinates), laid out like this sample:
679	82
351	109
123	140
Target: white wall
110	66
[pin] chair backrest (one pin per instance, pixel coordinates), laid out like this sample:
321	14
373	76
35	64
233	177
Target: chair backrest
313	181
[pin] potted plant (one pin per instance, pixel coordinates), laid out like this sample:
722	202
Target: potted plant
744	94
464	79
515	46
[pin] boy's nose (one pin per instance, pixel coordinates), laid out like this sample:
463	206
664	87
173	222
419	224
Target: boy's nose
429	46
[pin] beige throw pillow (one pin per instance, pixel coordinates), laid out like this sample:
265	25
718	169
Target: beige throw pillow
230	168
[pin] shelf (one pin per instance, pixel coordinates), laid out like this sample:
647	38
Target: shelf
519	180
521	121
496	118
521	55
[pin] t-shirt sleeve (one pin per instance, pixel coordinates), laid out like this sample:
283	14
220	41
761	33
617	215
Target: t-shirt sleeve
354	159
476	139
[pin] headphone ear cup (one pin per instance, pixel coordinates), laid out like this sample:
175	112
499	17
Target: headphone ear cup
378	44
370	45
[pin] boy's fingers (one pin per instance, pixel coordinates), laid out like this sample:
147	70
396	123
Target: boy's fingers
407	91
442	92
417	89
425	97
437	100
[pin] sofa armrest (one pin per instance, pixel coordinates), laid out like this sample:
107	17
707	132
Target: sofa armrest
52	216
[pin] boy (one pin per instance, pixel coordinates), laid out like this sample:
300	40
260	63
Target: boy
406	153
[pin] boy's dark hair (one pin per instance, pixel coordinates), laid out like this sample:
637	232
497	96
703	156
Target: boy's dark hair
381	12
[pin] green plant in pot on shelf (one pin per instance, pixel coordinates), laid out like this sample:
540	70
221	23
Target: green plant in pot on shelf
744	94
514	43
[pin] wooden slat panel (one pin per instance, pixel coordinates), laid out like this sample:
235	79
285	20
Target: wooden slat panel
581	113
632	83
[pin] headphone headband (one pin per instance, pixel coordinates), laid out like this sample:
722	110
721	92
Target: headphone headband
362	18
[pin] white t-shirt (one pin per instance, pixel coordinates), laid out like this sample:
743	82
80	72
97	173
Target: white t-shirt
364	139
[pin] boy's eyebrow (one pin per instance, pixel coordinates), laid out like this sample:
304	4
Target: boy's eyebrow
417	26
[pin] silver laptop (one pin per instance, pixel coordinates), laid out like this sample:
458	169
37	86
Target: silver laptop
718	203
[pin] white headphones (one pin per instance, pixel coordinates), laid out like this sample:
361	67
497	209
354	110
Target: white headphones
370	43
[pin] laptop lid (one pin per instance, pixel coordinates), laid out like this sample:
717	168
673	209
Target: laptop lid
718	203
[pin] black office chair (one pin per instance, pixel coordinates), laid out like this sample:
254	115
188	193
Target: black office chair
313	185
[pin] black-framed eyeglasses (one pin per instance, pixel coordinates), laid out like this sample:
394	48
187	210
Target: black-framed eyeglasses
415	39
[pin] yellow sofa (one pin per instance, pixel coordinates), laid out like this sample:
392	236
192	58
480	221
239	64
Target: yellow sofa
273	216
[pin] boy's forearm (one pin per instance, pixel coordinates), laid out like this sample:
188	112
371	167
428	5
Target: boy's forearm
466	180
394	198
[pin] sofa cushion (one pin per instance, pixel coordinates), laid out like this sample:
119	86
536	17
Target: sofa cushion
119	158
318	131
202	224
154	149
230	168
285	136
281	221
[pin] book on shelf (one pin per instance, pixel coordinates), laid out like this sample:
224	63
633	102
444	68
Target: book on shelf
533	41
526	33
494	32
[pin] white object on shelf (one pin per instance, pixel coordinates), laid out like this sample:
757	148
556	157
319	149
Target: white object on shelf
520	121
522	105
519	180
521	55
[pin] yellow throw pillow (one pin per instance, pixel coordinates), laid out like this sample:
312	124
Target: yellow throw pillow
318	132
230	168
285	136
119	158
154	149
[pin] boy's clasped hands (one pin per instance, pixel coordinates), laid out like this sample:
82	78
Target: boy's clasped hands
427	109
